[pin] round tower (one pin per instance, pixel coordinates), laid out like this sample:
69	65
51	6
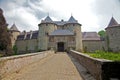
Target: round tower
45	28
113	36
75	27
14	32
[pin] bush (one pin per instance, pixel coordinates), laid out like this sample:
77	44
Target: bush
15	49
85	49
1	54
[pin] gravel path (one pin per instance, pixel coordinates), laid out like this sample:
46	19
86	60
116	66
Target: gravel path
55	67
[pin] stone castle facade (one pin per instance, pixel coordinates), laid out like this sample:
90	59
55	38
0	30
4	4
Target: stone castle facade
65	35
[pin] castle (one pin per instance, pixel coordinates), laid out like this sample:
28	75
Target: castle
65	35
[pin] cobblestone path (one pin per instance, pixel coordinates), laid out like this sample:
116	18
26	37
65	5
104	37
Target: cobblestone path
55	67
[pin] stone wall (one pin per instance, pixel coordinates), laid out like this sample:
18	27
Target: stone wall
13	36
76	28
24	46
113	38
93	45
32	45
101	69
44	30
69	42
21	46
14	63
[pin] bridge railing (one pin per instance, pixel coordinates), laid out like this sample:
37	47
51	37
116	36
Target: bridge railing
14	63
101	69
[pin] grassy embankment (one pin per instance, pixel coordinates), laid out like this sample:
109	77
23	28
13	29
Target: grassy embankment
105	55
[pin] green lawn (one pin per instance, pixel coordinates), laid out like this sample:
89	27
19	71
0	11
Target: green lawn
106	55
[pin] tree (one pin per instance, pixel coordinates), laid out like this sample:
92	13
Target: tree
5	41
102	33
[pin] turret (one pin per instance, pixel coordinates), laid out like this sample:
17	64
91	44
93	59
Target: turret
113	36
74	26
45	27
72	20
14	32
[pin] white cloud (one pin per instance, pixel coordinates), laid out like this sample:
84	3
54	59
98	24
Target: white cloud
80	9
92	14
27	18
104	10
23	19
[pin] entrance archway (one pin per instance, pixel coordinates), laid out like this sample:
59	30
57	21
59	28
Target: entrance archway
60	46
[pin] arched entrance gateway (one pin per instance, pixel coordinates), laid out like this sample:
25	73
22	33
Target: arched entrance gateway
60	46
62	40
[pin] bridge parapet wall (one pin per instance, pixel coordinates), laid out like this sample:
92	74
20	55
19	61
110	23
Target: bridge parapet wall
101	69
14	63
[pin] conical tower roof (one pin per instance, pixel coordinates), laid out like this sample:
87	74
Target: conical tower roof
112	22
14	28
72	20
48	19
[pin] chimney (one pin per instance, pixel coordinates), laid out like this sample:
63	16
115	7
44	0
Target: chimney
62	20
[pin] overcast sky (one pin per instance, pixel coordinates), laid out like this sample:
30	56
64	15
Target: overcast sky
94	15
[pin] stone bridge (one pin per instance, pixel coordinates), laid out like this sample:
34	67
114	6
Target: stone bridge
40	66
48	65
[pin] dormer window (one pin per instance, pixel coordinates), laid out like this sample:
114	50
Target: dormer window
62	20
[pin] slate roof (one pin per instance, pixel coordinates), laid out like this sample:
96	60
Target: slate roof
90	36
28	35
20	37
14	28
112	22
85	35
49	20
72	20
61	32
34	35
60	22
